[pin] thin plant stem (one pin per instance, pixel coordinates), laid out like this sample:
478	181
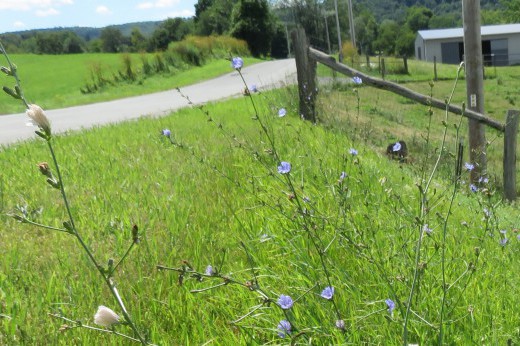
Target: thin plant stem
422	213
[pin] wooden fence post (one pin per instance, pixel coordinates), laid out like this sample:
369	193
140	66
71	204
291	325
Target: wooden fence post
383	68
510	135
405	64
435	68
306	74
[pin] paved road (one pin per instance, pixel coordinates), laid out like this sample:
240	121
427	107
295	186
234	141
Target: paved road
265	75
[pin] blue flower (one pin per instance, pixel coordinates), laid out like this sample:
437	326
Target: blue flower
396	147
284	328
284	167
285	302
253	88
166	132
353	151
282	112
357	80
503	241
427	229
340	324
483	180
469	167
237	63
328	292
473	188
209	270
391	306
342	176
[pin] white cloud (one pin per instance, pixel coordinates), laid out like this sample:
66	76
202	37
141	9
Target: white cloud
18	24
157	4
103	10
28	5
47	12
145	5
183	14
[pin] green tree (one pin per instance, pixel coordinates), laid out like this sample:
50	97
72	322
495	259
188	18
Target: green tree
252	22
366	31
172	29
388	32
512	10
405	42
138	42
111	40
418	18
212	17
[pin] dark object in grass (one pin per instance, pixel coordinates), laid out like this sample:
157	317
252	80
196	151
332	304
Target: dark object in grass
397	151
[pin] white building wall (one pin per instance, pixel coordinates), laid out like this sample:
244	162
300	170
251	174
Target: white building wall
514	49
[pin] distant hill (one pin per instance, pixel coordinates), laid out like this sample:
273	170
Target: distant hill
396	9
90	33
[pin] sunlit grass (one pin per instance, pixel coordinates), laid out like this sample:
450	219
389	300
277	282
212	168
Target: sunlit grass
54	81
199	201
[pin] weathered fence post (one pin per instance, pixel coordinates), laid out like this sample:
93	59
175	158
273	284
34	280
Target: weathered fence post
383	68
405	64
435	68
510	135
306	74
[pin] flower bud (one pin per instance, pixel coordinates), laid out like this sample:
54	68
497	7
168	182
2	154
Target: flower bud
45	169
39	118
105	317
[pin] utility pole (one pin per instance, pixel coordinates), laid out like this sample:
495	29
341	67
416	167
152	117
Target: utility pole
351	24
474	86
340	48
327	31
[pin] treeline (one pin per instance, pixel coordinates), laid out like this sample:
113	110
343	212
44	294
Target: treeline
384	26
381	26
248	20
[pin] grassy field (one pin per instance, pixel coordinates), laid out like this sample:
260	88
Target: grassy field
384	117
54	81
381	231
372	228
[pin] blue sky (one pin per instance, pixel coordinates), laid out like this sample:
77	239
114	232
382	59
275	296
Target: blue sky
16	15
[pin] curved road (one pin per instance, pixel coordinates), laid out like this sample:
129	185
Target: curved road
265	75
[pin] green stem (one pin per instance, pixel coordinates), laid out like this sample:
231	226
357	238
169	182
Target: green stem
100	269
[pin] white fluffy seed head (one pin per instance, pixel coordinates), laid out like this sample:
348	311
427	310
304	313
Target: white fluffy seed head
105	317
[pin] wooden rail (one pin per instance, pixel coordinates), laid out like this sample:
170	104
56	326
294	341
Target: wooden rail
401	90
306	58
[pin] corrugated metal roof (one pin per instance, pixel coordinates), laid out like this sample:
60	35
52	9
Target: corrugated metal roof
458	32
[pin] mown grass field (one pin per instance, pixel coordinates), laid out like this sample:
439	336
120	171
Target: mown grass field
54	81
216	198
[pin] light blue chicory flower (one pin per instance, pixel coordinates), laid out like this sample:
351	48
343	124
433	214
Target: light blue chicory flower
473	188
284	328
284	167
282	112
357	80
328	292
353	151
397	146
166	132
340	324
285	302
209	270
469	166
391	306
237	63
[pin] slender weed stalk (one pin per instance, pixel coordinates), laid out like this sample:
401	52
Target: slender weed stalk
44	131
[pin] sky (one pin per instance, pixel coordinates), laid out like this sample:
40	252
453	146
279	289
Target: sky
18	15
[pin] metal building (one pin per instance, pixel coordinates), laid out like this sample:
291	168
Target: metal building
500	45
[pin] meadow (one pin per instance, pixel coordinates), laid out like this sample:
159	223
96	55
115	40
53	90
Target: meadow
413	256
54	81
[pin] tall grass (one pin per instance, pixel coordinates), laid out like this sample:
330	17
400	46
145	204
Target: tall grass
211	193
